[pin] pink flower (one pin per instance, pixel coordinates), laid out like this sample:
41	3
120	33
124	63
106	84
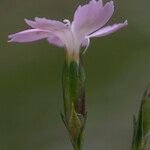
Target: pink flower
87	23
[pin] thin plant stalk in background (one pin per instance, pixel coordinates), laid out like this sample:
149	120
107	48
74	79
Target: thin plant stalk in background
88	22
141	138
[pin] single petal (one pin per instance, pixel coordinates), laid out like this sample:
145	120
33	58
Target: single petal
29	35
55	41
108	30
46	24
91	17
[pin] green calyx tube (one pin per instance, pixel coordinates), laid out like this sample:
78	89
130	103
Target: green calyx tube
74	116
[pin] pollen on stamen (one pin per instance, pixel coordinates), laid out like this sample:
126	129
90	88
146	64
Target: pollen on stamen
67	22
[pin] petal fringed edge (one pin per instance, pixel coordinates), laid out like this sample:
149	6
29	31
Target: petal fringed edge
91	17
46	24
108	30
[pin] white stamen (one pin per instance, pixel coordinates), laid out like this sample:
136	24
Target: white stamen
88	43
67	22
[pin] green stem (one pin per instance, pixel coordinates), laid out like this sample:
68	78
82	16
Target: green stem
79	148
73	81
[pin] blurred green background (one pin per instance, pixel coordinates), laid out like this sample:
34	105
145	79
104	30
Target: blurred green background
117	71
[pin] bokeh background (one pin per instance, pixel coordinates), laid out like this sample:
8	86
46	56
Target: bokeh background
117	71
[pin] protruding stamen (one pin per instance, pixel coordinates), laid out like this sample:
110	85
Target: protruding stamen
67	22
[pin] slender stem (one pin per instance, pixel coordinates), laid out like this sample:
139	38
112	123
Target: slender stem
141	139
79	147
73	82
